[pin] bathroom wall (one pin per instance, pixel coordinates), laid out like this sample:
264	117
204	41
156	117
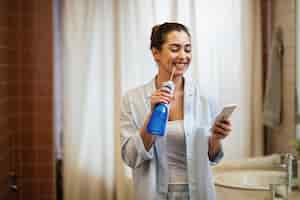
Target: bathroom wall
26	95
284	15
8	99
36	99
35	92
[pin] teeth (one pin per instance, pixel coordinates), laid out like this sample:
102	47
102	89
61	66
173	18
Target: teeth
179	64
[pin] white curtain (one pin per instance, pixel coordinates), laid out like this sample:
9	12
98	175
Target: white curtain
89	113
252	62
106	52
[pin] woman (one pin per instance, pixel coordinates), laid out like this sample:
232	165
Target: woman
177	165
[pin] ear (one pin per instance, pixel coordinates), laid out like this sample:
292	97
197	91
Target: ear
156	54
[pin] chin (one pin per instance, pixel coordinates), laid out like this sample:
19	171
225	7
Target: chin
180	72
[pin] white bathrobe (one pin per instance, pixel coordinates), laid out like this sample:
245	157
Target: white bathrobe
150	173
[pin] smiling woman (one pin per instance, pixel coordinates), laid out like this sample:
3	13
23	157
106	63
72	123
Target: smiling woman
167	167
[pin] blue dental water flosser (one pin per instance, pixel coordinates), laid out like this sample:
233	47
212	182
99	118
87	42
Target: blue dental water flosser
159	117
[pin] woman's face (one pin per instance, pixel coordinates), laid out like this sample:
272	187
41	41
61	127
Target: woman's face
175	52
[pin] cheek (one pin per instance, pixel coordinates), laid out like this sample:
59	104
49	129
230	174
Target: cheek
173	57
189	58
168	58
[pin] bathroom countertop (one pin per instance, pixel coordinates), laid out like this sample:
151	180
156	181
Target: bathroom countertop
294	195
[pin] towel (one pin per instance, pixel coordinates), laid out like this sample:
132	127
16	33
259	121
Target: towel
273	94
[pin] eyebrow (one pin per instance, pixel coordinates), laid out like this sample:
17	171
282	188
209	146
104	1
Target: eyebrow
176	44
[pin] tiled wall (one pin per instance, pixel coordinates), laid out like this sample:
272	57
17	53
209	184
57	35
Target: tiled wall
284	15
26	91
36	98
8	79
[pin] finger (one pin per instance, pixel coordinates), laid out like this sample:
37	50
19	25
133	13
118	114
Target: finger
163	96
226	121
223	126
162	92
158	102
220	131
160	99
219	135
165	90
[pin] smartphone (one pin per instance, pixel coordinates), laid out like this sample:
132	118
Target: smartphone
226	112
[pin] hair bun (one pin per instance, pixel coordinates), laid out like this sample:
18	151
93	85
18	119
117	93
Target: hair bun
154	30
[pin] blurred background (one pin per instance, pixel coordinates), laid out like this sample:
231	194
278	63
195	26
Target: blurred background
65	64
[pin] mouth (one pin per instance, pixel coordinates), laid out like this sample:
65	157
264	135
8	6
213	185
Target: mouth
180	65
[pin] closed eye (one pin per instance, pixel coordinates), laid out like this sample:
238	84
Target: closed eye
176	47
188	48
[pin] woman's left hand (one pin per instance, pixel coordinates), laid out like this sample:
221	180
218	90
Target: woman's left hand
221	129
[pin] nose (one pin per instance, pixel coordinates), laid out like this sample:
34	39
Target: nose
182	54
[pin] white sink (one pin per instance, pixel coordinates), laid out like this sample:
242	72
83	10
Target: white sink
250	179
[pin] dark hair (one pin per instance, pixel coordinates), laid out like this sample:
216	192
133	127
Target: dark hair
159	33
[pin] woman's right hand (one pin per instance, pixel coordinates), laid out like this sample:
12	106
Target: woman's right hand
161	95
